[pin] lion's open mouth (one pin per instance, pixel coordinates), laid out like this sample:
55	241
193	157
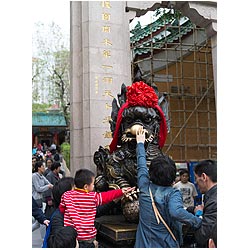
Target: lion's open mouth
130	134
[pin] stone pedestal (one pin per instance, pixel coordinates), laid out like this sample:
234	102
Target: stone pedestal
116	230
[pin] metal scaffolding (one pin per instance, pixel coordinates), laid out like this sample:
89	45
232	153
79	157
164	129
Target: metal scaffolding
177	58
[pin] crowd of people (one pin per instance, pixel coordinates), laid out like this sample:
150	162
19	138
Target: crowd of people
65	208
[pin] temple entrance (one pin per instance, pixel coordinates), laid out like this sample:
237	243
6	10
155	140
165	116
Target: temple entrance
47	142
46	138
48	128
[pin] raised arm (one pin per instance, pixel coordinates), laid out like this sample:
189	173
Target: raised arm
142	170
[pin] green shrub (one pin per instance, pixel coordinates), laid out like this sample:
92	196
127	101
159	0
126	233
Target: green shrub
65	150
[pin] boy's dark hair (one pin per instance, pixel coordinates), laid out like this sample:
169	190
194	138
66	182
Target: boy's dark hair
209	167
183	171
82	177
65	237
162	171
38	164
63	185
55	165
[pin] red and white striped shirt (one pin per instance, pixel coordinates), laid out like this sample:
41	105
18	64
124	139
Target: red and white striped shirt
79	209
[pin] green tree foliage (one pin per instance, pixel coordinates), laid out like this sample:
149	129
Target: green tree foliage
50	67
38	107
65	150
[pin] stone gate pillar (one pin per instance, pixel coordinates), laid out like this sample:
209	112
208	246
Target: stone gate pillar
100	63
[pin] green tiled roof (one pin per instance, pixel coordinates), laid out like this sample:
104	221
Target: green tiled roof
171	34
140	33
48	119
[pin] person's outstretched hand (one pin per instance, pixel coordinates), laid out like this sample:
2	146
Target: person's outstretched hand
140	135
46	222
128	190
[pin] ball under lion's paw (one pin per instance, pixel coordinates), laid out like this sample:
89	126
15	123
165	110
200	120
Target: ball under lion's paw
131	211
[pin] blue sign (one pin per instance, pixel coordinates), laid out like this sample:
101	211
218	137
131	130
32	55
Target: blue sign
198	199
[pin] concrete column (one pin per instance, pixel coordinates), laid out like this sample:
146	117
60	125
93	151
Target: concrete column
100	63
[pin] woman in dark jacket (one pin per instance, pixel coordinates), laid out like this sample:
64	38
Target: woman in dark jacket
56	221
53	177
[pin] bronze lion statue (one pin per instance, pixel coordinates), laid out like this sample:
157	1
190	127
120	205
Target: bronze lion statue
139	105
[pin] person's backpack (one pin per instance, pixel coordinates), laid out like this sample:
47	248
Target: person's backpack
45	240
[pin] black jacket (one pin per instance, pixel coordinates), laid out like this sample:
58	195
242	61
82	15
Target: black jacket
203	234
37	213
56	222
52	178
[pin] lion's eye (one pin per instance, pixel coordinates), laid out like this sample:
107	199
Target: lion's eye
129	119
148	119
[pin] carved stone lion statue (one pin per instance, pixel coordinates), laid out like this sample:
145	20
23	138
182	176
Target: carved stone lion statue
139	105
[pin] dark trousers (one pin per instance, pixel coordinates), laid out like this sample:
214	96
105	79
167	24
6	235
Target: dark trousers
85	244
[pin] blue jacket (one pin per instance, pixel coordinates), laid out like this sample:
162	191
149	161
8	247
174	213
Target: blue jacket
169	202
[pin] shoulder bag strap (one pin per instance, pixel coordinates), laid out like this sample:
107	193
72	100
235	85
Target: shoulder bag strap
48	229
158	215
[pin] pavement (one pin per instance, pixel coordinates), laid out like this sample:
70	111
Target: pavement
37	241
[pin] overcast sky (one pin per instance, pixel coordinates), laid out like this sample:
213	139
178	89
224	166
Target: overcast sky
49	11
59	12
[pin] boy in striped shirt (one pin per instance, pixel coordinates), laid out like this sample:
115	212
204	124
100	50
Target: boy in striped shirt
79	206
